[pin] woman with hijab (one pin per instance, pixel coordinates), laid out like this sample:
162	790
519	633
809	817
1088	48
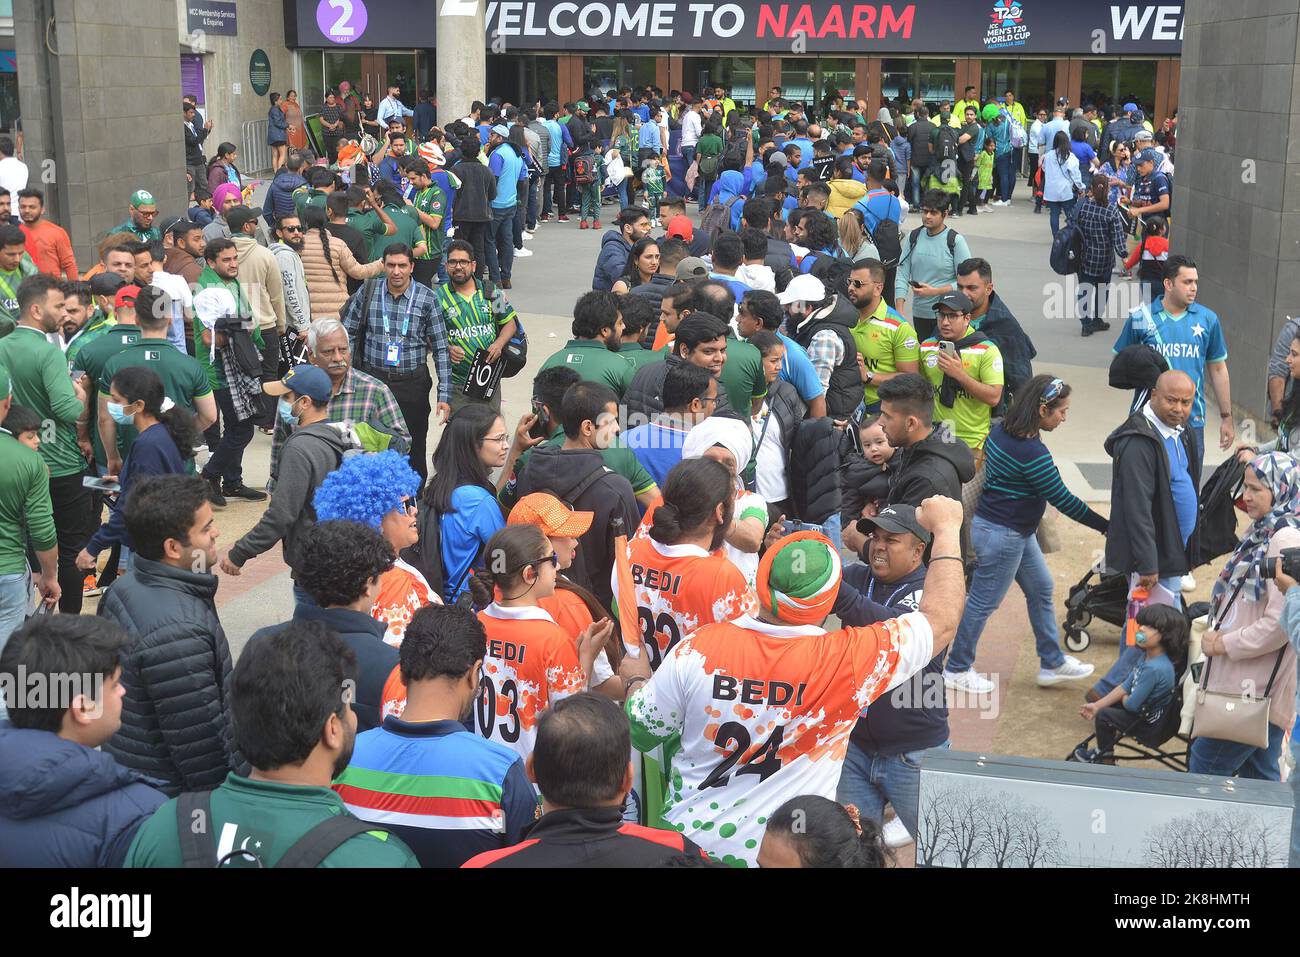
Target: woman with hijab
731	442
1248	648
731	184
380	490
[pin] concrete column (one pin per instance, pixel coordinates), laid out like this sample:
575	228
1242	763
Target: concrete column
1237	190
101	117
462	57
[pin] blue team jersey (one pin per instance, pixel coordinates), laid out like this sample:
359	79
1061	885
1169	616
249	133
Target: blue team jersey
1188	343
798	370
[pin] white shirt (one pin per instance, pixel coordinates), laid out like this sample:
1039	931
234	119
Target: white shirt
182	304
1166	431
692	126
13	176
769	475
1060	180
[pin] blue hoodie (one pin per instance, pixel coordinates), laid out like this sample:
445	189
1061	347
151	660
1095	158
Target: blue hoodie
731	183
279	197
65	805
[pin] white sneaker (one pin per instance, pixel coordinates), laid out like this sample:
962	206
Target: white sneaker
969	681
895	833
523	252
1072	670
1188	582
1002	202
527	235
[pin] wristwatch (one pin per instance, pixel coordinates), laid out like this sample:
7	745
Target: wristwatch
627	684
870	377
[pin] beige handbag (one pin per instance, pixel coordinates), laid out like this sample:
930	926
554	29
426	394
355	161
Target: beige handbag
1048	534
1242	718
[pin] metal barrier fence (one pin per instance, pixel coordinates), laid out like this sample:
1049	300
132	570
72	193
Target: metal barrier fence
255	154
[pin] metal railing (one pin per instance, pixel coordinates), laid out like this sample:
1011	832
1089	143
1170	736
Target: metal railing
254	152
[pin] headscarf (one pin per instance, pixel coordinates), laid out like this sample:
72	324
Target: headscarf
732	434
884	116
221	192
731	183
1280	473
799	578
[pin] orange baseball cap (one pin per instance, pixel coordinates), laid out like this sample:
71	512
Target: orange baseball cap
551	515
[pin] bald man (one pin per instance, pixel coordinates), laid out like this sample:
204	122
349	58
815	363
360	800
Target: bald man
1152	500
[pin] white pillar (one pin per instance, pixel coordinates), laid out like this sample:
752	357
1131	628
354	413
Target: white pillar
462	57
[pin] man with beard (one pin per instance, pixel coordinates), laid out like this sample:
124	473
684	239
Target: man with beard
294	721
593	352
424	763
286	249
47	243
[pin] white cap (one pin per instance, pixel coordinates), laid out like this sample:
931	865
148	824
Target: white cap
803	288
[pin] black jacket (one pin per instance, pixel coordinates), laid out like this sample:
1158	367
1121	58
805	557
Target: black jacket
1144	536
176	713
474	198
778	259
589	837
814	472
375	660
564	472
932	467
1017	349
914	715
844	394
194	146
862	481
644	395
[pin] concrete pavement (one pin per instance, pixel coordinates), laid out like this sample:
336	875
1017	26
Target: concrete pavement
1013	239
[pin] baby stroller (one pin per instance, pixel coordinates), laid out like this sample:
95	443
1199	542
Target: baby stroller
1107	600
1145	741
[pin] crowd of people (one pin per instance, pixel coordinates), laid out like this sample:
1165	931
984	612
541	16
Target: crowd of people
595	636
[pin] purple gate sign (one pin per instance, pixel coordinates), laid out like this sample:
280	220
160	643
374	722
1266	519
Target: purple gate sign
342	21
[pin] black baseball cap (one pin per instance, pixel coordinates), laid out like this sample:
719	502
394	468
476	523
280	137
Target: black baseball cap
895	518
241	216
954	301
106	284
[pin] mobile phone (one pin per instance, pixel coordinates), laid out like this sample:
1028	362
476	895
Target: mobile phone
101	484
1197	668
914	284
948	348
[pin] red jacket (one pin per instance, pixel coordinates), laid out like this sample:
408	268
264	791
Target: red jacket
589	837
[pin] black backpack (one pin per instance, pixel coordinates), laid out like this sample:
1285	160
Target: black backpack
733	157
915	234
1216	519
889	242
199	847
945	144
717	218
1066	257
833	271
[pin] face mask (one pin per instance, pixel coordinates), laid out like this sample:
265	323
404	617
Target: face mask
286	413
118	411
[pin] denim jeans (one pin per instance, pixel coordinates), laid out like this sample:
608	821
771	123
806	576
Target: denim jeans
227	459
517	226
831	528
1294	781
1128	657
623	202
1005	555
1055	208
15	592
1094	298
499	244
1235	760
1004	169
868	780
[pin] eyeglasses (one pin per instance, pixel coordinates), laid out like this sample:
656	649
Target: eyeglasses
459	262
501	439
291	229
1053	390
408	503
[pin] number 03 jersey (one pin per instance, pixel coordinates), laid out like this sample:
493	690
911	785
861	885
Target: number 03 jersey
764	714
680	588
531	663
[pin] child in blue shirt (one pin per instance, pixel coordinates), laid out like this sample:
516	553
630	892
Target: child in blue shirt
1143	696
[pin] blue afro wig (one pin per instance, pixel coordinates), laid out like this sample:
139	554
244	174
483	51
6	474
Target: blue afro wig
365	488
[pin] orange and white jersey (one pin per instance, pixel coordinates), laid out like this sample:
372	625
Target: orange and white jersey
764	714
531	663
680	588
402	592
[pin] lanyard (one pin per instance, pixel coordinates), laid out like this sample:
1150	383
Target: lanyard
383	305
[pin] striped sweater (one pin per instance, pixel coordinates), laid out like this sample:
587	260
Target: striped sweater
1020	479
447	792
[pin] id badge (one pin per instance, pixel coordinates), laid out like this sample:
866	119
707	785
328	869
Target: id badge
394	355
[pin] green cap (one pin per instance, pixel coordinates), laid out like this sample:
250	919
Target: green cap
581	105
6	384
142	197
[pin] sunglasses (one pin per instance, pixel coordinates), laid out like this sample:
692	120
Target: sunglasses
408	503
291	229
859	283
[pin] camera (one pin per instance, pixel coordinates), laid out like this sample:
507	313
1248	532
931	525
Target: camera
1290	564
